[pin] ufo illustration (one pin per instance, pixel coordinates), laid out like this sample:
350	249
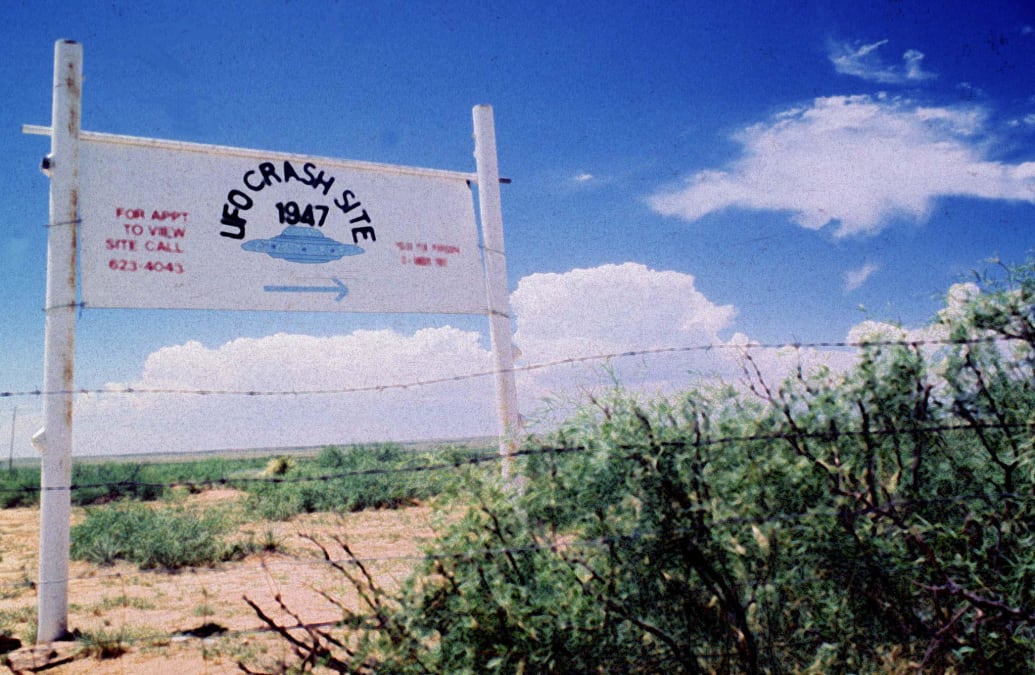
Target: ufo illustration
302	245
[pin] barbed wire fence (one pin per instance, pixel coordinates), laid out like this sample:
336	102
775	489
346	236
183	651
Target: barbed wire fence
266	563
213	575
655	351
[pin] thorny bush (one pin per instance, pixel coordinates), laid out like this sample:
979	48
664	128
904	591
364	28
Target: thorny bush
874	518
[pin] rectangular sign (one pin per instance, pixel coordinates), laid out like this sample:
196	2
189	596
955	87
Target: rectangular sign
176	225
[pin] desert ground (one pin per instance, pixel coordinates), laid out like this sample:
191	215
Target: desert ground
134	621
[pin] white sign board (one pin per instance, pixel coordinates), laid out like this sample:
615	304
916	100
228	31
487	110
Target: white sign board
174	225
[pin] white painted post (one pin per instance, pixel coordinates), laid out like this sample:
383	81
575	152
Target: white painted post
491	215
59	344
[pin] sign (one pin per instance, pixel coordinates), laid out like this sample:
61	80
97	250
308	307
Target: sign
163	224
177	225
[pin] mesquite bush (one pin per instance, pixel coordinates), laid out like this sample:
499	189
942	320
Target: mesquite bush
876	519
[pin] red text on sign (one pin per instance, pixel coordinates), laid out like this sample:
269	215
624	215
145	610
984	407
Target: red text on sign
121	245
440	260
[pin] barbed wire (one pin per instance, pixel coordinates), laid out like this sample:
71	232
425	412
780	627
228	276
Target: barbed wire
551	450
68	305
245	480
719	346
62	223
209	630
470	554
268	561
547	449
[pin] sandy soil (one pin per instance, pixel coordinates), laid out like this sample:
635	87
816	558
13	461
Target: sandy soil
150	612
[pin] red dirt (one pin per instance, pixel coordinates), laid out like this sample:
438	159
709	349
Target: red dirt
145	611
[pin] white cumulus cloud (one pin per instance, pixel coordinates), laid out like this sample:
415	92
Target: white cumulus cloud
613	309
362	367
857	161
380	385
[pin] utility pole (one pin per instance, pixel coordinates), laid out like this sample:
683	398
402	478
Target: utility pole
10	457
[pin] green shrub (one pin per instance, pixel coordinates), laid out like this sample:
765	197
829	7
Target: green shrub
877	520
19	487
359	477
278	466
338	479
103	482
98	482
156	537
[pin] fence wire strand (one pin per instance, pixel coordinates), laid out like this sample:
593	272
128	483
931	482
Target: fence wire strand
547	451
200	633
269	561
683	349
523	452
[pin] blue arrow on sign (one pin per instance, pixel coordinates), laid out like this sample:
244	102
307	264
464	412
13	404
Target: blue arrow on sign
341	289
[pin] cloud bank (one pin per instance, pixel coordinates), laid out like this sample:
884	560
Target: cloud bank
360	367
674	332
560	320
858	161
612	308
664	336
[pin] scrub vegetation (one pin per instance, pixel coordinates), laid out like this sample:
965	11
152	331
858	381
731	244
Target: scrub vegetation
336	479
165	537
878	520
132	511
339	480
875	520
100	482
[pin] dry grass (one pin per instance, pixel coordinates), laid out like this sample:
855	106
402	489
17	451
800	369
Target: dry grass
131	621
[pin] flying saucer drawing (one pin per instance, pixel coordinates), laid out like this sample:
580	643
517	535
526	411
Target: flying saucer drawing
302	245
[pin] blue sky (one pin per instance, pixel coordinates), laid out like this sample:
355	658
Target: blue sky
683	173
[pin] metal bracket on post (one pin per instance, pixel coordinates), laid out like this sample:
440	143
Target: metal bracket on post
39	440
498	297
62	166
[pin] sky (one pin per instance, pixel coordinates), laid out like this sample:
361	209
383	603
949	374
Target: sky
682	175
